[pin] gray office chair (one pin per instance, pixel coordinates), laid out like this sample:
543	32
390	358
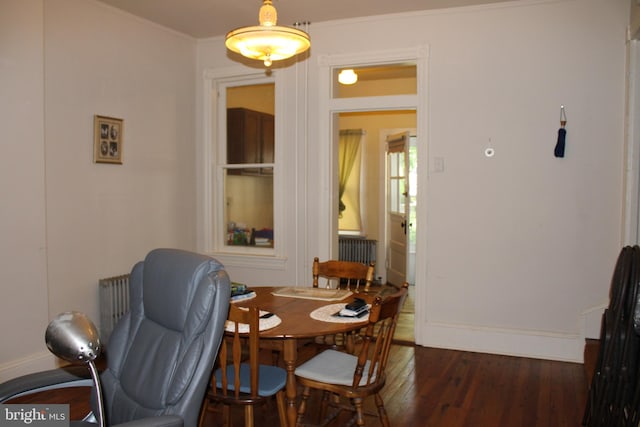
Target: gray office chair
161	353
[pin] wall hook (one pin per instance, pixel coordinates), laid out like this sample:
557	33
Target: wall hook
563	117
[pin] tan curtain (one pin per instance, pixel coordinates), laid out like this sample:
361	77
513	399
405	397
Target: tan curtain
348	148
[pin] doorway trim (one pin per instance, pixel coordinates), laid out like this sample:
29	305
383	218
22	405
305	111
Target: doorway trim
329	108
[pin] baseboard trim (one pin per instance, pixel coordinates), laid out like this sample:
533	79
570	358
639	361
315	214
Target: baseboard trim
35	362
533	344
592	319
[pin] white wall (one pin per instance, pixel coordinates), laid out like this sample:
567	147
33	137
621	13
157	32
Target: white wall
520	246
23	308
101	61
64	61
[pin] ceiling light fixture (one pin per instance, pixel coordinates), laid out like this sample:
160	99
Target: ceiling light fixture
347	77
267	42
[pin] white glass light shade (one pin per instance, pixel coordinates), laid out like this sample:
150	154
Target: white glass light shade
267	42
347	77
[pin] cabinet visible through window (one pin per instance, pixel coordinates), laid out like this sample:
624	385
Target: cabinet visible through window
250	139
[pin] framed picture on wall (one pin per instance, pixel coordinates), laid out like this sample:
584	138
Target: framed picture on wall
107	139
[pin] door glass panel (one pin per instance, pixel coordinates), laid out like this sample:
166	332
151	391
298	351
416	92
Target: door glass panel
401	195
393	193
393	159
396	182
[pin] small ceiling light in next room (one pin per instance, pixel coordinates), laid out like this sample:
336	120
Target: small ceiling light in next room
347	77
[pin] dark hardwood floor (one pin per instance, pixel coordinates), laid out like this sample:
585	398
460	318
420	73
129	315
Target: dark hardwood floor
445	388
405	328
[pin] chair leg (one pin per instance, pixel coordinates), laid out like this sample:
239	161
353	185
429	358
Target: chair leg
226	416
382	413
282	408
357	403
248	416
324	404
303	405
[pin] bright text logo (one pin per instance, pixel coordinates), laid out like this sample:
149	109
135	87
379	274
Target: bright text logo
16	415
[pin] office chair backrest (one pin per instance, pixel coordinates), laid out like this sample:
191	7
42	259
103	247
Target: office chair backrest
161	353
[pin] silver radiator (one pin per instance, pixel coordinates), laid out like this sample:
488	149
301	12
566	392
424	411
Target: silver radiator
114	303
359	250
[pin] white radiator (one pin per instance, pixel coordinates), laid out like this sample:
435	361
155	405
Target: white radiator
359	250
114	303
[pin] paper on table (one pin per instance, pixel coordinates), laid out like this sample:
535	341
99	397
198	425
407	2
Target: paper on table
313	293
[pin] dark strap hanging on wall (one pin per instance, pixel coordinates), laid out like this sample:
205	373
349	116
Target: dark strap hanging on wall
562	134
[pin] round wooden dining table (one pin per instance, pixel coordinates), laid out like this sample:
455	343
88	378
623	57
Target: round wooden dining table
296	324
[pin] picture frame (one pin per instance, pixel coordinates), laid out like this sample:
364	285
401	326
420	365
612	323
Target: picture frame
107	139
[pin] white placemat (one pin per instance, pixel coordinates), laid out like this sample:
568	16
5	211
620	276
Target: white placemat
326	314
268	323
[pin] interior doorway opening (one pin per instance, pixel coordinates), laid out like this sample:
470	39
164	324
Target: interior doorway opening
375	198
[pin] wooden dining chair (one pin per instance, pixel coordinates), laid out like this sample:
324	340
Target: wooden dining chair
344	273
354	377
239	378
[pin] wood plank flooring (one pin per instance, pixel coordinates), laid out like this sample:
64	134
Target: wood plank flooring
405	328
445	388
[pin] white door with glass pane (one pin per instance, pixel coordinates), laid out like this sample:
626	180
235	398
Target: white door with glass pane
397	207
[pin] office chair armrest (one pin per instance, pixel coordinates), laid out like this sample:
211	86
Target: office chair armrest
71	376
161	421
